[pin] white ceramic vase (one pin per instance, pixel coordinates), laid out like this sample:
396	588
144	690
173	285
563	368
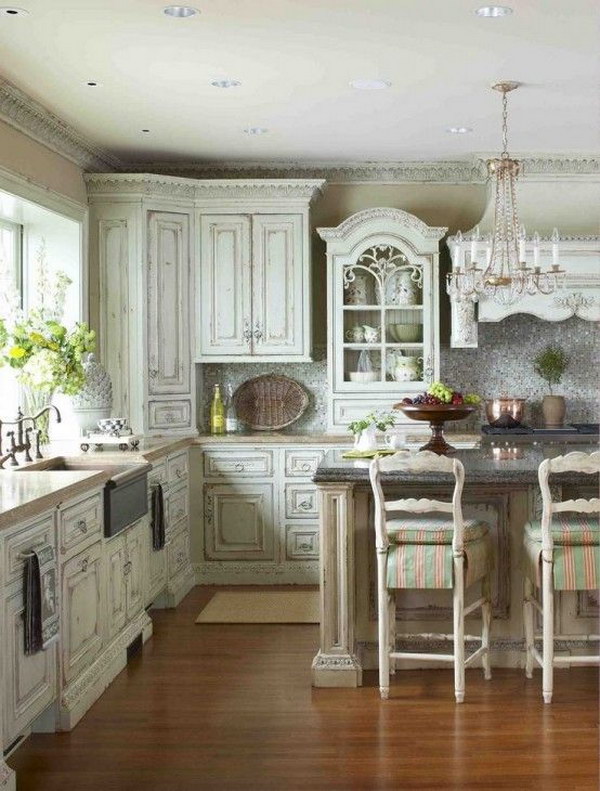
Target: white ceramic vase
94	402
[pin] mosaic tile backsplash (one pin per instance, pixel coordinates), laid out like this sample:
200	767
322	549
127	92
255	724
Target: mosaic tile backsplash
502	365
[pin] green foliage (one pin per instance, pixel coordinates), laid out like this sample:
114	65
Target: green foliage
382	420
551	364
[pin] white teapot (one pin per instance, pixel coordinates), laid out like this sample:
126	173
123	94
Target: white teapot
407	369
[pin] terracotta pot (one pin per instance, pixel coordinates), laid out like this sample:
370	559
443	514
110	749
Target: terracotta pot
554	408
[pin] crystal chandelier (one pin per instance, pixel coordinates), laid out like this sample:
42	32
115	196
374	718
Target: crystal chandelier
505	277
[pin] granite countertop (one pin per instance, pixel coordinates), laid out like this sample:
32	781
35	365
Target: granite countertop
23	495
273	438
486	464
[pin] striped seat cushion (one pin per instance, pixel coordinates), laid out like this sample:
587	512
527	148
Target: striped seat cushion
575	567
428	565
568	528
434	529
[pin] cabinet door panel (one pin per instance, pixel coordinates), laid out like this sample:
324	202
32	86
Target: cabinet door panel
116	598
239	521
134	570
225	285
82	621
168	303
277	285
30	681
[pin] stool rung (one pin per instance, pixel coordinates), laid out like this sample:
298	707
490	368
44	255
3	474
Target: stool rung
474	606
423	657
576	660
475	655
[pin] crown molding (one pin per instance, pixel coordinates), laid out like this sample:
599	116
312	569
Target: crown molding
104	184
346	228
33	119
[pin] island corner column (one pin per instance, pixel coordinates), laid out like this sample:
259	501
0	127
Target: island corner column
336	663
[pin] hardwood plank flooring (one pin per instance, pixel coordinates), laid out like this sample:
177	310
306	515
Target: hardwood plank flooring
230	707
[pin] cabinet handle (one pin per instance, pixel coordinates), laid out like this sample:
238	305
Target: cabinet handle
239	467
178	472
82	525
84	564
127	567
153	373
306	467
257	331
305	505
247	334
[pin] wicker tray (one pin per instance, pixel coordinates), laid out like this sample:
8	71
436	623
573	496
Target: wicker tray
270	402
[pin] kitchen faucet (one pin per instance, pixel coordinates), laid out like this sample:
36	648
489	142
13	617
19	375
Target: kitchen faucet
23	441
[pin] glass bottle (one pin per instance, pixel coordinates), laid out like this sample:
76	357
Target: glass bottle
217	412
231	419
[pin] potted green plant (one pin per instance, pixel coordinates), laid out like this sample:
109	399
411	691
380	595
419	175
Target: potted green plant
551	364
365	429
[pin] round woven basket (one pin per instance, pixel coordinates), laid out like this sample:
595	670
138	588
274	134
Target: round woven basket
270	402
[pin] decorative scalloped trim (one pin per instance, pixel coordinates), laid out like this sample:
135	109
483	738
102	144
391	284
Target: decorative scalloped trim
348	226
29	116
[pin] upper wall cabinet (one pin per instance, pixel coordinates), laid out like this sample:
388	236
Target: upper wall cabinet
253	277
383	311
578	296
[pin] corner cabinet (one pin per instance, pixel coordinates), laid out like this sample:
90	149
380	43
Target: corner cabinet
254	275
383	311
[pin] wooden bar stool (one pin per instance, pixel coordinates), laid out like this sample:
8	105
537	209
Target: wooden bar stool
440	550
568	549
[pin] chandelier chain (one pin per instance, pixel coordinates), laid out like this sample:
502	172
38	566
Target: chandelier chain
504	125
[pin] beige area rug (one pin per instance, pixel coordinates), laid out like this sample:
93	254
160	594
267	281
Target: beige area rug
262	607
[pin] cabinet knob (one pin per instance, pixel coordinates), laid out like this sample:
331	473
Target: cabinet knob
247	334
153	373
178	472
84	564
82	525
127	567
257	332
239	467
305	467
305	505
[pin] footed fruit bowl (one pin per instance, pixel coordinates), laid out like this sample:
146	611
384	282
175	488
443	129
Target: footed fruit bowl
436	415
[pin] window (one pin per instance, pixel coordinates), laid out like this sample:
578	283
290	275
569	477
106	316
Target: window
11	298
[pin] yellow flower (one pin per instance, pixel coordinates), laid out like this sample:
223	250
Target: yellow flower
16	352
54	346
35	337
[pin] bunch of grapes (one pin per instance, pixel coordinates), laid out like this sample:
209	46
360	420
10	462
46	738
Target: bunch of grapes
439	393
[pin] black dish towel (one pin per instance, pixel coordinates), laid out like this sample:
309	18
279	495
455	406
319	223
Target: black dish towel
39	595
158	518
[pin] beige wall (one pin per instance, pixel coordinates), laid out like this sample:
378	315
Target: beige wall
456	206
24	156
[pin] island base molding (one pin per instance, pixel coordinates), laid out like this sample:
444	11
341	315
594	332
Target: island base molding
8	779
176	590
336	670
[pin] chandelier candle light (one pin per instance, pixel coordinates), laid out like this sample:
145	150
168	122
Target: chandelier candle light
506	277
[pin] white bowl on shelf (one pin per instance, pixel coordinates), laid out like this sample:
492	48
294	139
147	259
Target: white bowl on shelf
363	376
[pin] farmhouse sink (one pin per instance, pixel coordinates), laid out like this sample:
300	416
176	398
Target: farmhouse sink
125	493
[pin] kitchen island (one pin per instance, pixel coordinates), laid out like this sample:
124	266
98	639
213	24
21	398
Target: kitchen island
501	489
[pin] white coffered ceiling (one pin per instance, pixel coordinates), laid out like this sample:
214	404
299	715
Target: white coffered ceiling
295	59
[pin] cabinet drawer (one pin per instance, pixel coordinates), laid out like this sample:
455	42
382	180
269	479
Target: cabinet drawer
302	463
177	506
19	543
158	474
302	542
79	522
177	467
238	464
301	501
178	553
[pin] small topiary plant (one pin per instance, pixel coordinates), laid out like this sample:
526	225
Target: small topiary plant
551	364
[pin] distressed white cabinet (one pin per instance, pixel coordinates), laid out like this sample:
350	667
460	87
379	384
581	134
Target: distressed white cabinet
168	316
82	612
141	251
254	281
116	593
225	283
260	514
383	311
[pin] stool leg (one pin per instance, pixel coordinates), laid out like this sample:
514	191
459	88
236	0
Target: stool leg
486	623
528	593
459	629
392	628
383	624
547	631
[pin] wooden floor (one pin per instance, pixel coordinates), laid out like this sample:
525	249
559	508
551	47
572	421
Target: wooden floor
231	708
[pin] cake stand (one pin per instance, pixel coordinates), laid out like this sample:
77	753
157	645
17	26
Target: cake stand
436	415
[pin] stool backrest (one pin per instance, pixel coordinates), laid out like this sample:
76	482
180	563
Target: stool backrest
423	461
587	463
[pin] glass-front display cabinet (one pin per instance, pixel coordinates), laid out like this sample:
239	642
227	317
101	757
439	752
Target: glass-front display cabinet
383	311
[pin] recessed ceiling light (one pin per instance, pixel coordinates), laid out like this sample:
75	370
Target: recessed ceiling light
494	10
180	11
459	130
12	11
92	84
367	84
255	130
225	83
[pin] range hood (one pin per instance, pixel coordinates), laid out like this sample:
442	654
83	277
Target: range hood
546	200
